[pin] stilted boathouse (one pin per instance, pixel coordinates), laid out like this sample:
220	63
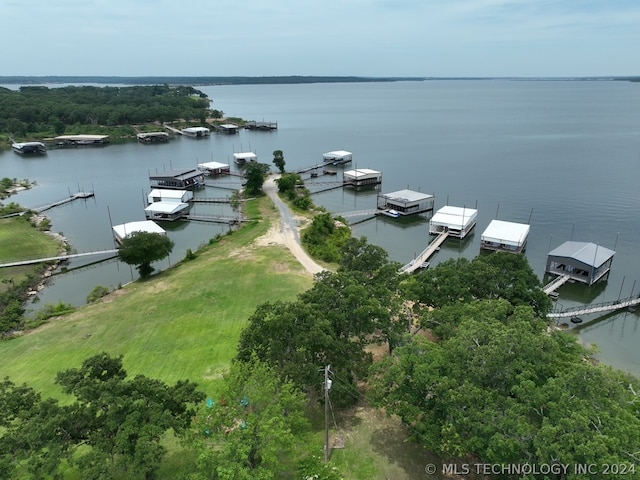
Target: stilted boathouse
580	261
457	221
406	202
214	168
501	236
178	179
337	157
120	232
361	177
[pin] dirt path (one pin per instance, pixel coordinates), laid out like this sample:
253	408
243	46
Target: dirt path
286	232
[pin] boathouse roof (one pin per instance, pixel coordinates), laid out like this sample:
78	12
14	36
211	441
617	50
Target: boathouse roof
588	253
168	208
407	196
507	233
337	153
245	155
126	229
454	217
212	165
81	138
177	174
360	172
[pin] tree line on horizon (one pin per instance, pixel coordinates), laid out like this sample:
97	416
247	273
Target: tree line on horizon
41	111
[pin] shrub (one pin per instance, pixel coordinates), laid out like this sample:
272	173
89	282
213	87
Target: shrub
97	293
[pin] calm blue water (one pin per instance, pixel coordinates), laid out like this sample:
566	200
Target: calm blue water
562	156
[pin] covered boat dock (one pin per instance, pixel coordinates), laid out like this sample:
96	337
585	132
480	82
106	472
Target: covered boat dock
241	158
120	232
196	132
214	168
178	179
153	137
458	221
501	236
361	177
580	261
337	157
406	202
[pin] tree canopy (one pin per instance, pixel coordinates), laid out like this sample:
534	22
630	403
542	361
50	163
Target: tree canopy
112	429
143	248
256	174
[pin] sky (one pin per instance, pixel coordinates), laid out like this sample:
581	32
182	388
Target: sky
380	38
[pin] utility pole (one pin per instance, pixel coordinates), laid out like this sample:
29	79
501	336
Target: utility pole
327	387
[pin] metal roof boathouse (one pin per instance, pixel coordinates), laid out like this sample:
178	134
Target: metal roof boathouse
196	132
178	179
214	168
241	158
406	202
337	157
120	232
153	137
503	236
361	177
580	261
457	221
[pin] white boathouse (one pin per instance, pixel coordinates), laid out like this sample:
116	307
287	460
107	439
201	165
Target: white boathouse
457	221
581	261
361	177
241	158
337	157
505	236
214	168
406	202
169	196
120	232
196	132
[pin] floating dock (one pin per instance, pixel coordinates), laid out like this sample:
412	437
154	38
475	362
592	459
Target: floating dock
426	254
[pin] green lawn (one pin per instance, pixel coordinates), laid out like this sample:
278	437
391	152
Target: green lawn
183	323
19	240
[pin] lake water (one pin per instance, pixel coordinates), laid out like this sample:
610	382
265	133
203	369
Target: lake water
563	156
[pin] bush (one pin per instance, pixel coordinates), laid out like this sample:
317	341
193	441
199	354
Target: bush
97	293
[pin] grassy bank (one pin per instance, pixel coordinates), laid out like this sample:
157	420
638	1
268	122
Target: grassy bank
182	323
19	240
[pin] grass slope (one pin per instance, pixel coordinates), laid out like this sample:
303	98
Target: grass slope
181	324
19	240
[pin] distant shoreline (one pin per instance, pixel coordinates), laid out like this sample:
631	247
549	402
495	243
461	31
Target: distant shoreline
269	80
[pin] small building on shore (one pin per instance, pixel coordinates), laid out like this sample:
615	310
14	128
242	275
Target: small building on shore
581	261
188	179
169	195
456	221
196	132
241	158
214	168
406	202
120	232
153	137
361	177
337	157
29	147
504	236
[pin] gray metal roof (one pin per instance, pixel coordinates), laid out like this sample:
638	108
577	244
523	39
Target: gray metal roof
587	253
407	196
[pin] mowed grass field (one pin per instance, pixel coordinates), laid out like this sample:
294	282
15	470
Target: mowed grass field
19	240
183	323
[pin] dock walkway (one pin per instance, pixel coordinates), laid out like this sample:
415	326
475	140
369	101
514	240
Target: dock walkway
596	308
555	283
425	254
60	257
75	196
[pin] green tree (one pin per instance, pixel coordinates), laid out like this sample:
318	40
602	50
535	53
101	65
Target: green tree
251	428
142	248
278	160
255	173
122	419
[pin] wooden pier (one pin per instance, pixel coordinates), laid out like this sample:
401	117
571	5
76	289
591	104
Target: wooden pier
556	283
596	308
213	218
172	129
71	198
432	248
211	200
58	258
